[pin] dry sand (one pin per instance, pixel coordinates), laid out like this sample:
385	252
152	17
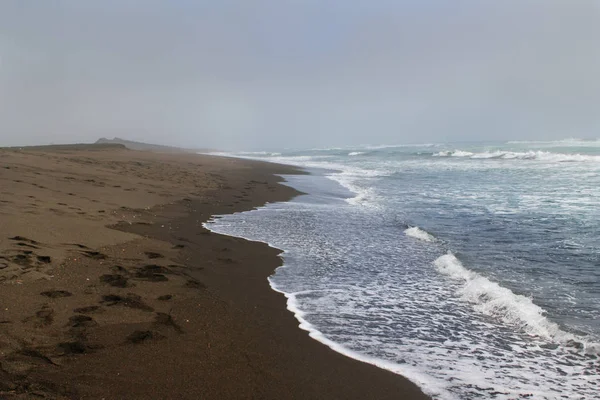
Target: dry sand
111	288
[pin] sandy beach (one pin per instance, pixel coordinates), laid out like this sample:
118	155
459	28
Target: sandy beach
112	289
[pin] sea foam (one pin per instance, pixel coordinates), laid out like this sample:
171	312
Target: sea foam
418	233
499	302
515	155
428	385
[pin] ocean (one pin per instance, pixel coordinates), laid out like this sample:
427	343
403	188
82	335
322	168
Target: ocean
471	269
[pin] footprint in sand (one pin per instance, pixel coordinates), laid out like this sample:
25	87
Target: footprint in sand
194	284
153	255
67	348
43	317
23	260
150	277
167	320
119	269
81	321
55	294
115	280
131	301
23	239
152	273
81	246
23	244
88	310
138	337
95	255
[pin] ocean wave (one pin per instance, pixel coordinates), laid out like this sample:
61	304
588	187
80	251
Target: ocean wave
499	302
258	153
515	155
468	360
356	153
243	154
420	234
428	385
392	146
348	176
455	153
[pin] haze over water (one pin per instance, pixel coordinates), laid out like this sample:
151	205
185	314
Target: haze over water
241	75
472	269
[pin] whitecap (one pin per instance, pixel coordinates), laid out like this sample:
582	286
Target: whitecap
491	299
525	155
420	234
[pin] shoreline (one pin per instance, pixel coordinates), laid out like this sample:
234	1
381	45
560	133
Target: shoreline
290	300
292	305
199	321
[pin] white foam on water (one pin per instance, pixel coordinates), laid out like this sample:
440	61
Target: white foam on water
526	155
450	356
258	153
429	386
356	153
461	153
455	153
432	387
272	157
347	176
350	177
499	302
218	153
420	234
399	146
328	148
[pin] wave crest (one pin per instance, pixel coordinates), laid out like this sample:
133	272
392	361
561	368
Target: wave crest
418	233
499	302
516	155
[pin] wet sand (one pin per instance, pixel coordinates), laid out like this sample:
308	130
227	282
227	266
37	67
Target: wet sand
111	288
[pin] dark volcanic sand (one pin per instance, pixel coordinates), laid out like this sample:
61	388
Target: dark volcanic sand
172	312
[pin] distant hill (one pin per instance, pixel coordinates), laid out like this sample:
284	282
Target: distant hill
147	146
68	147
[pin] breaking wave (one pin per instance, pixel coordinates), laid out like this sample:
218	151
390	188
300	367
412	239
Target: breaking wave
515	155
491	299
420	234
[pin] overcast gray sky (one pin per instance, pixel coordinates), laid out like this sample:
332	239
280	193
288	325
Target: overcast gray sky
245	74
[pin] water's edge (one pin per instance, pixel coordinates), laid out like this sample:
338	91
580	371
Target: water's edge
405	371
385	261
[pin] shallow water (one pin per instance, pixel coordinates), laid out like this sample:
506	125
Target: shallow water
473	270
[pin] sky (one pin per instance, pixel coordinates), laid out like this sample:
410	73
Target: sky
267	74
